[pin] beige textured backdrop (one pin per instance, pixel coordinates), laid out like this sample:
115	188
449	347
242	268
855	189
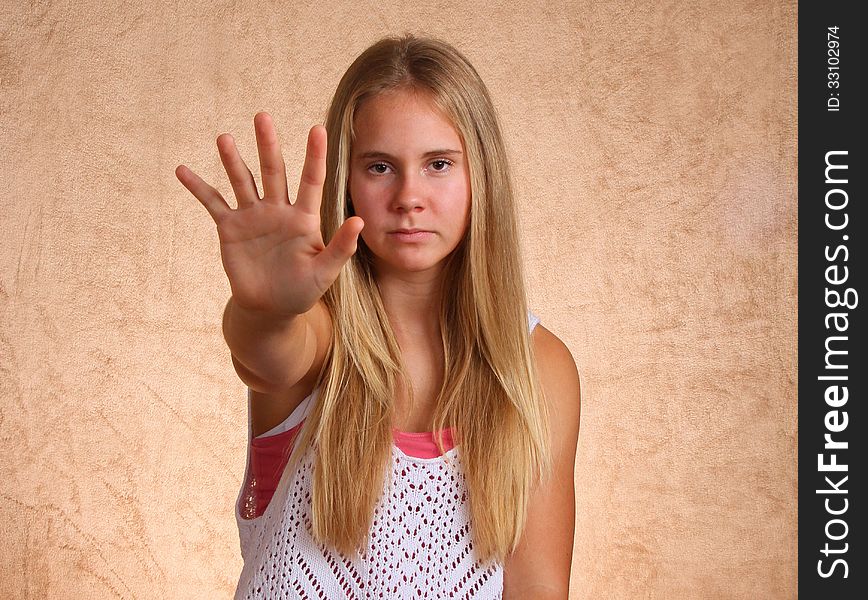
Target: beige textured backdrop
654	147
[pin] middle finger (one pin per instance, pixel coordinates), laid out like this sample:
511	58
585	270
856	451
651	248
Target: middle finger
274	187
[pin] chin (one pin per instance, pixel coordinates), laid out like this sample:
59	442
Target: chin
413	264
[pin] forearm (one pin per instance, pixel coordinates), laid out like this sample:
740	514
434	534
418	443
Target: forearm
277	351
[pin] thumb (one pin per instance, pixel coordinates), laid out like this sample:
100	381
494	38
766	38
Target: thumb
339	250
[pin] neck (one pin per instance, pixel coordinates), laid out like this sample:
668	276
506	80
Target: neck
412	301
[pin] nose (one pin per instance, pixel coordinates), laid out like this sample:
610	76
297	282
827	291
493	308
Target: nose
410	194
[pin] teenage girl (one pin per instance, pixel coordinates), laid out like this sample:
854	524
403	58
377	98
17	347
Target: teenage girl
413	428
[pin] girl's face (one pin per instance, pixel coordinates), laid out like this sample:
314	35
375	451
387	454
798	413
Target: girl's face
409	182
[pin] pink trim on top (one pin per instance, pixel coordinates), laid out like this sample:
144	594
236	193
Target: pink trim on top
422	444
269	454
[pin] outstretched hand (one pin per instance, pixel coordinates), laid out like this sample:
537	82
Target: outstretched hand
272	250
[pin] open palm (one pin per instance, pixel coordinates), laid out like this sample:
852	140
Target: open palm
272	251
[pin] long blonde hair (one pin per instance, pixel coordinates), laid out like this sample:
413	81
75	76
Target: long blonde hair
490	394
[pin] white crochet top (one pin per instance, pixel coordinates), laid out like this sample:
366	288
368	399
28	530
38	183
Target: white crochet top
420	543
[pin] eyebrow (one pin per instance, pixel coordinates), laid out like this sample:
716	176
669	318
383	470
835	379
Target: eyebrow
378	154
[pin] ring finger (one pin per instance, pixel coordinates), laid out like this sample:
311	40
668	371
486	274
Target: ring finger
239	174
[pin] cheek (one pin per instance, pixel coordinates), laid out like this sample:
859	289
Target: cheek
372	214
362	210
459	200
351	193
358	195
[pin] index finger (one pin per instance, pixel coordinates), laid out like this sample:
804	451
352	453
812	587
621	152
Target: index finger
313	172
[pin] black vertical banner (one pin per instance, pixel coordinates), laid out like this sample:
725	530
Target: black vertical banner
833	366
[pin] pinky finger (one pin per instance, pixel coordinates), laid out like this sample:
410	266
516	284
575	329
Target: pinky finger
207	195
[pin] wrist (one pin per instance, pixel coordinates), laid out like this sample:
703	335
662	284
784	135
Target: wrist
251	318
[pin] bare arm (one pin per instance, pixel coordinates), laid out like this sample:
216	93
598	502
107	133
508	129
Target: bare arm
270	353
540	566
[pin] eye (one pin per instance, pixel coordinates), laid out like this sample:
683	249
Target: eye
443	164
376	167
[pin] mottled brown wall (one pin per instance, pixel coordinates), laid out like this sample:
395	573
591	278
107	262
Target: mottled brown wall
654	146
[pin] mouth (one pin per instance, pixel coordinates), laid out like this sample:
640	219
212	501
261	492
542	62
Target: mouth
411	235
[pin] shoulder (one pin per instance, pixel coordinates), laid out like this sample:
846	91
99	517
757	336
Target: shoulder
559	380
555	363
